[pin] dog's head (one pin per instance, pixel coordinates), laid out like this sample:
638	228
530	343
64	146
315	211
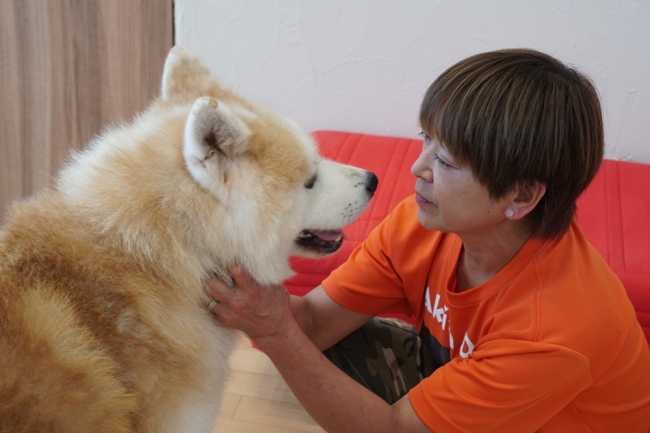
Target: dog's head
240	182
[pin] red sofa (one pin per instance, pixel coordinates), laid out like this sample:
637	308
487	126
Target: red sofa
614	212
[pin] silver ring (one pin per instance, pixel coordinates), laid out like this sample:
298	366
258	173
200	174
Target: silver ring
213	304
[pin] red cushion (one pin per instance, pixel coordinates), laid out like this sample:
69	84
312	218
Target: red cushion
614	212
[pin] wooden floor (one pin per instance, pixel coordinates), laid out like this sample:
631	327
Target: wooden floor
257	399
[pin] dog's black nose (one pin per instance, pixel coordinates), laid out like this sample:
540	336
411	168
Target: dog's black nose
372	181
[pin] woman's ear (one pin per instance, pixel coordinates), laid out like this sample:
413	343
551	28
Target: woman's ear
528	195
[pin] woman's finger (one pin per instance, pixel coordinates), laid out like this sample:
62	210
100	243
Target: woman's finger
240	276
216	287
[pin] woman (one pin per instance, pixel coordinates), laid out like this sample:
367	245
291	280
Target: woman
521	325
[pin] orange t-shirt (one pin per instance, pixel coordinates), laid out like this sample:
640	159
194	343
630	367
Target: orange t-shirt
549	344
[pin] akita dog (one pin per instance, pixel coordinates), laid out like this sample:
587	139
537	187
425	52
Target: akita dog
103	319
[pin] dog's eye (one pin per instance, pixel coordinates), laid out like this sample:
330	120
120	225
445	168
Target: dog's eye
310	183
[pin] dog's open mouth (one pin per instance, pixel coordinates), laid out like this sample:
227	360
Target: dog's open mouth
320	241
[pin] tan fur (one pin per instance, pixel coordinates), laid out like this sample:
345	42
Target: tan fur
102	319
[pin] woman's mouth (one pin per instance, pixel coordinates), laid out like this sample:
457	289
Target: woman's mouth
421	200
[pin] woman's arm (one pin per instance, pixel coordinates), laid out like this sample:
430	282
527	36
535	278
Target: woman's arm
275	322
332	398
324	321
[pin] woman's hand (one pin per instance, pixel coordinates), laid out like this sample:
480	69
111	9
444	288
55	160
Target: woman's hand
259	311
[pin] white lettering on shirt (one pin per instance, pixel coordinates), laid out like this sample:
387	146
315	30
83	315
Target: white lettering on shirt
440	313
467	347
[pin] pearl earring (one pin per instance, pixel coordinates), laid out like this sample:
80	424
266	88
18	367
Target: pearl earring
510	213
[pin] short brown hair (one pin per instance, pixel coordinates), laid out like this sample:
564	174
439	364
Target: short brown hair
518	117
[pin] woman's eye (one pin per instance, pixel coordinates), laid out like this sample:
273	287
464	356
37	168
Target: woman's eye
310	183
441	162
424	136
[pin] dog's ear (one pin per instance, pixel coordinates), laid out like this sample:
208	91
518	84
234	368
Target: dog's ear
185	76
213	133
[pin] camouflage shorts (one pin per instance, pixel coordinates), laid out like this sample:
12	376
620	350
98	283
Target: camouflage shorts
384	355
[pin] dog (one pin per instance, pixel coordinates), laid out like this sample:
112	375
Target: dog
103	318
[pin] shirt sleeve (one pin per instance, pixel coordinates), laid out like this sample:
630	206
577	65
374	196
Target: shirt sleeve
504	386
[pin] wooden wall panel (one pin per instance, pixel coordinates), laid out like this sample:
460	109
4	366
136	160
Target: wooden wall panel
67	69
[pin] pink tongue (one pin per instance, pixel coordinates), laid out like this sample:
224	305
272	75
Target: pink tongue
327	235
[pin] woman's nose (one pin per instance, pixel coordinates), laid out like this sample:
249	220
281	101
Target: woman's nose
421	168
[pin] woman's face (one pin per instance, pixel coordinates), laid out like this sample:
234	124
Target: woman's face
450	198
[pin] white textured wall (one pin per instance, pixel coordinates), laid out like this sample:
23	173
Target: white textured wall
363	65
